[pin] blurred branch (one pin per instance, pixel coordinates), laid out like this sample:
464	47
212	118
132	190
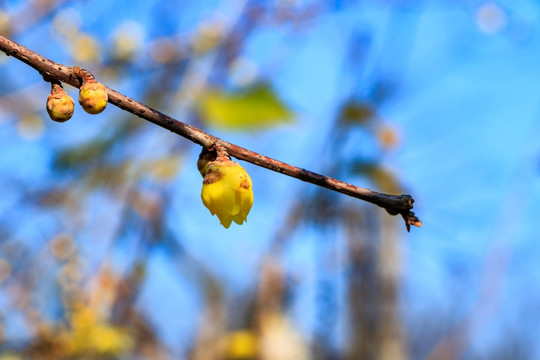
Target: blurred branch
393	204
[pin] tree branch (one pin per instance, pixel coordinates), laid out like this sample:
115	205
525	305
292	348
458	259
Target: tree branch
393	204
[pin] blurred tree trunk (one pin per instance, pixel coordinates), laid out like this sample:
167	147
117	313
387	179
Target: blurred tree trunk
374	268
391	334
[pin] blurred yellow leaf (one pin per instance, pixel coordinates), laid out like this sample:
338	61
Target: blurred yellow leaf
67	23
127	40
208	36
89	334
164	168
240	344
30	126
253	108
383	179
85	48
82	317
107	339
9	356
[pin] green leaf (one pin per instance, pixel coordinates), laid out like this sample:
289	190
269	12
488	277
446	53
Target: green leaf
254	108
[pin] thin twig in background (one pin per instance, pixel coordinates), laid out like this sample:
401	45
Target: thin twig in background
393	204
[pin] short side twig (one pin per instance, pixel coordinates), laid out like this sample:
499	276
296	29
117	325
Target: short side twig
393	204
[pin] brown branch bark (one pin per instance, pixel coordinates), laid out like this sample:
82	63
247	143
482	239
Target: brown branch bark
393	204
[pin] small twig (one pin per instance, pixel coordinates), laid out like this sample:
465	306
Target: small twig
393	204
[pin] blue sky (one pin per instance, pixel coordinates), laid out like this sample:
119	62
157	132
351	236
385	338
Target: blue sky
466	109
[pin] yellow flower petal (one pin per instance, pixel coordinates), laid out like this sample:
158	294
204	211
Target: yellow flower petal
227	191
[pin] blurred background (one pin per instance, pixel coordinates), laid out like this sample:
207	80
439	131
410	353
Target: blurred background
107	252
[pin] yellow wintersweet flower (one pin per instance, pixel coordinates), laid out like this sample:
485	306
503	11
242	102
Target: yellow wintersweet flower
227	191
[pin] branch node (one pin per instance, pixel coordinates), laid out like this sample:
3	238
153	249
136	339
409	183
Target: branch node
221	151
404	209
83	75
56	86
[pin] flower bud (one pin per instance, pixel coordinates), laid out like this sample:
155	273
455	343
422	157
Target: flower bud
60	105
92	94
93	97
227	191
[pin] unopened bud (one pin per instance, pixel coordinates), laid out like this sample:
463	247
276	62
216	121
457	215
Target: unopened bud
60	105
93	97
92	94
